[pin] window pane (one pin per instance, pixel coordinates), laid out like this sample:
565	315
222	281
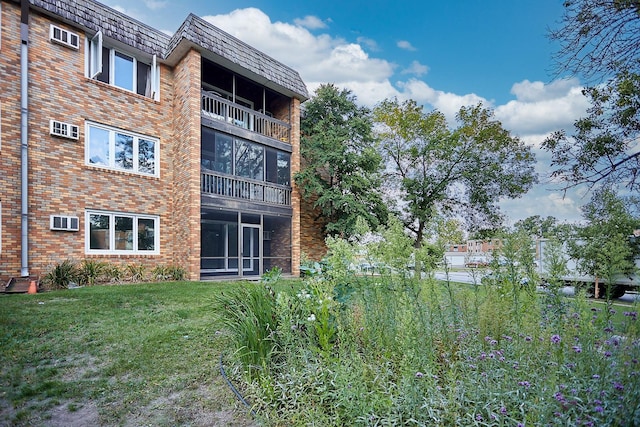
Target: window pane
146	156
249	160
99	232
98	146
146	234
223	154
143	81
124	233
272	165
124	151
104	75
123	71
284	169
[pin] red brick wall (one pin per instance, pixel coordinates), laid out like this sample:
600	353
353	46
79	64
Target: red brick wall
186	151
59	180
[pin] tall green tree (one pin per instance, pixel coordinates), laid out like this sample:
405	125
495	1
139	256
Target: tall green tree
537	226
603	247
600	41
462	172
341	167
598	37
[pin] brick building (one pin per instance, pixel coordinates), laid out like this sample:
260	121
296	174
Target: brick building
121	143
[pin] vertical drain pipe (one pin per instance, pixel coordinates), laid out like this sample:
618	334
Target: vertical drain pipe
24	136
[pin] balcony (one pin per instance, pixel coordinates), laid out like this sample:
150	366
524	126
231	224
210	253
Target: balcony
245	189
216	107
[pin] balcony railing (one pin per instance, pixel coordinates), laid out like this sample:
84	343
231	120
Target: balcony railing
240	188
218	108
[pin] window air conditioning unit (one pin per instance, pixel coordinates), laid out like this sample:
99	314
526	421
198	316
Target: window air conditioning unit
64	37
64	223
63	130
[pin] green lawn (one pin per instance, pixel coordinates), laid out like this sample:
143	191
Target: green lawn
115	355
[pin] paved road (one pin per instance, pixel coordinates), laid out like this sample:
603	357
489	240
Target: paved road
468	277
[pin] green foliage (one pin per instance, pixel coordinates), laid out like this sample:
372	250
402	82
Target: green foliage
164	273
91	271
341	167
537	226
136	272
414	352
61	275
437	171
603	247
600	40
248	314
272	275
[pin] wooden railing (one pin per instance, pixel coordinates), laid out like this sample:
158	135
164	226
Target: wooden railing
241	188
217	108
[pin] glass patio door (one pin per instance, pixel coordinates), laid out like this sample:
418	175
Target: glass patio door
250	249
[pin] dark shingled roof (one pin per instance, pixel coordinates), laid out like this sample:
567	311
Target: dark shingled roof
207	38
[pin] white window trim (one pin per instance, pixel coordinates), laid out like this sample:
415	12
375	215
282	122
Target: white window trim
112	215
93	65
112	135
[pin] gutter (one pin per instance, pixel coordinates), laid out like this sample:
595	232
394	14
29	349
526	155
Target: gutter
24	136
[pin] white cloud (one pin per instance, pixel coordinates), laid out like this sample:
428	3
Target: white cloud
404	44
318	58
416	69
370	44
542	108
156	4
446	102
310	22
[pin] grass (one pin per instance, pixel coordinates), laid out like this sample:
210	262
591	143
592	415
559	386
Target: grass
115	355
374	351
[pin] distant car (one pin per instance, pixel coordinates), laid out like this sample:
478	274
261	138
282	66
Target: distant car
476	264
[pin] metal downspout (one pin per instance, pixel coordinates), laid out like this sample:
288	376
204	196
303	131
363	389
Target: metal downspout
24	135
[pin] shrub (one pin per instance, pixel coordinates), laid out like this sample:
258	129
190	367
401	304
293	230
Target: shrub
91	271
61	275
248	313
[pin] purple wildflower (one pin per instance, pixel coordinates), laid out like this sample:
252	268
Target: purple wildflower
524	384
555	338
595	376
599	409
618	386
419	374
577	349
503	410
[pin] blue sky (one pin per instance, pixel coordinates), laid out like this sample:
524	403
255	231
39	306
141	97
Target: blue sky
443	54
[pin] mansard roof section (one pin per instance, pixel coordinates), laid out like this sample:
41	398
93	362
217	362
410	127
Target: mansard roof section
223	48
94	16
195	32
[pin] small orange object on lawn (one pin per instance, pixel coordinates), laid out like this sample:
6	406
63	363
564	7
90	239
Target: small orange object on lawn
32	288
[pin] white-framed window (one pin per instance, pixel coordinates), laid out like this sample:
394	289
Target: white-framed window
122	69
64	37
121	233
113	148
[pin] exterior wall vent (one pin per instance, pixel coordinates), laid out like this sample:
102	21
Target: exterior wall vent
64	37
63	130
64	223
